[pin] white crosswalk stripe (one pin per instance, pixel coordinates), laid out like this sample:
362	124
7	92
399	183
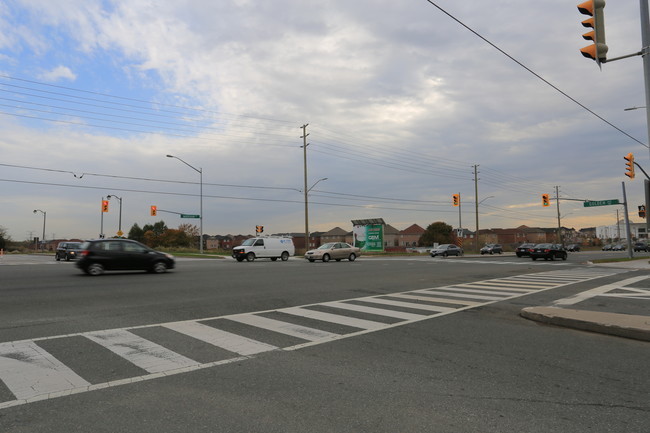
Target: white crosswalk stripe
143	353
226	340
30	373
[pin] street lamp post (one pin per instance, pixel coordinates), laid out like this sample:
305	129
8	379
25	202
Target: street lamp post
307	212
44	218
200	172
119	230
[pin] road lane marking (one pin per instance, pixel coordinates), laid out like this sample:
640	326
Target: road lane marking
376	311
299	331
462	295
29	371
439	300
334	318
145	354
412	305
226	340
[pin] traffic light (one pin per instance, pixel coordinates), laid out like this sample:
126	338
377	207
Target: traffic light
598	50
546	200
642	211
456	200
259	229
104	205
154	210
630	165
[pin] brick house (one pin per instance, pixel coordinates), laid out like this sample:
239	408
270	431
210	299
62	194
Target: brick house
410	236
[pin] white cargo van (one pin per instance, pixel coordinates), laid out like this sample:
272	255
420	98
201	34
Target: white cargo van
266	247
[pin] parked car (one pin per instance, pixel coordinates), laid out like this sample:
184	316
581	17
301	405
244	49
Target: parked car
333	250
607	247
67	250
619	247
447	250
548	252
523	250
492	249
641	246
101	255
573	248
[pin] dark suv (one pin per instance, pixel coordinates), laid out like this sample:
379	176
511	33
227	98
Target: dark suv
492	249
641	246
67	250
122	255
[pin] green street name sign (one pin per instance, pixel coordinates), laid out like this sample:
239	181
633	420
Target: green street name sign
600	203
190	216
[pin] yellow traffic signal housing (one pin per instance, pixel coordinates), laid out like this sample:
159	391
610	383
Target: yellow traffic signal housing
546	200
629	165
259	229
104	205
598	50
456	199
154	210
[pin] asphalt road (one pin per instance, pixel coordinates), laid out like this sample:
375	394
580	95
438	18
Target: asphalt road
478	367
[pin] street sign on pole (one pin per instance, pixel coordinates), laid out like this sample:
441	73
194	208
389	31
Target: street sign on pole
600	203
190	216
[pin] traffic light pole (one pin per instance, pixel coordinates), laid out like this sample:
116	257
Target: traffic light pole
628	234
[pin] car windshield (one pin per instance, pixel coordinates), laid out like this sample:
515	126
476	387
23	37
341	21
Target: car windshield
328	246
248	242
544	246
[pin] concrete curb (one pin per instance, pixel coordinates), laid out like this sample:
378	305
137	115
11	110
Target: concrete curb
621	325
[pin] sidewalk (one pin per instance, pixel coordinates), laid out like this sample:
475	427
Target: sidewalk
611	314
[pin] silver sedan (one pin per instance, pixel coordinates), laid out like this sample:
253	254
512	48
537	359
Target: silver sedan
333	250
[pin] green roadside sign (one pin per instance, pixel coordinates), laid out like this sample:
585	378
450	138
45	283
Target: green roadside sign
190	216
600	203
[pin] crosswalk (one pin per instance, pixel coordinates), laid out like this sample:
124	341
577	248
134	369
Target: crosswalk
32	370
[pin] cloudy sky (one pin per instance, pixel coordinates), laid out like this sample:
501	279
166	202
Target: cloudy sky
402	99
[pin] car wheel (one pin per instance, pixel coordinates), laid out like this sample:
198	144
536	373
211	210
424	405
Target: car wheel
518	255
240	259
159	268
250	257
500	252
273	259
67	258
564	257
94	269
534	258
284	256
326	258
491	252
352	257
445	254
57	258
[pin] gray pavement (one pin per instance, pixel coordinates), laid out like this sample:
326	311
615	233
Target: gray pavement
606	309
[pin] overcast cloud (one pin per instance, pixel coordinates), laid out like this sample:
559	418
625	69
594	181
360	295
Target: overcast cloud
401	101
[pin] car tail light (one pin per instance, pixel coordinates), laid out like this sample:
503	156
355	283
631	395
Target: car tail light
547	251
85	253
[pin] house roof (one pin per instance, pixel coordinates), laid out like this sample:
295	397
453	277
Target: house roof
413	229
336	231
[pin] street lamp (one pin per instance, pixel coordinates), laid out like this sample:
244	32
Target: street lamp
44	217
307	212
200	171
119	231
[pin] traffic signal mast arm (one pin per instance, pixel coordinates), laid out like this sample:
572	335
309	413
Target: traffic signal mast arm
641	168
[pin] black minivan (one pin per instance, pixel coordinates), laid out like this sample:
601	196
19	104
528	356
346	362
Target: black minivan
101	255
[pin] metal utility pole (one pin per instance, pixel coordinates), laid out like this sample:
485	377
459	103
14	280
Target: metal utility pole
559	223
645	53
304	149
628	235
476	203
